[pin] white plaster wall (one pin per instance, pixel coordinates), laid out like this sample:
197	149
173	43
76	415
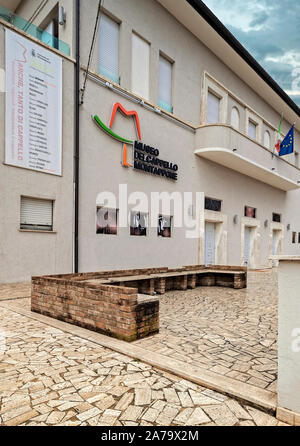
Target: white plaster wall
289	335
101	170
25	254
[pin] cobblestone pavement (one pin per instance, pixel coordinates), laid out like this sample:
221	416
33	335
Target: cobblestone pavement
50	377
14	291
229	332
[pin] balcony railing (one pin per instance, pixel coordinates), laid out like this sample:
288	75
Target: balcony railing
34	31
224	145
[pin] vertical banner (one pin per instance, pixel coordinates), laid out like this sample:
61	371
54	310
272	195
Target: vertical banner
33	106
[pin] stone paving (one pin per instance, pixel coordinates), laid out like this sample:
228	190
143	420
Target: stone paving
15	291
229	332
51	377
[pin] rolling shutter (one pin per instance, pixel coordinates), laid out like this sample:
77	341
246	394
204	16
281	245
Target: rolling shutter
140	66
165	84
36	214
109	48
213	108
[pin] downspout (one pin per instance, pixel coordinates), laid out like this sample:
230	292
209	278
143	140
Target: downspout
77	143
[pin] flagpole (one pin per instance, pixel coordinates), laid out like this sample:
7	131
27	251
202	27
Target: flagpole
279	134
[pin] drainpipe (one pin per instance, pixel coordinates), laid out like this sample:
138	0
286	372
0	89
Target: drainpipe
77	134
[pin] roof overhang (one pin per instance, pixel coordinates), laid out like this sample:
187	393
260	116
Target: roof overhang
232	160
11	5
199	20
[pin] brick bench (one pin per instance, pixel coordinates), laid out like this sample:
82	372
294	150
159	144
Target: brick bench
119	303
114	311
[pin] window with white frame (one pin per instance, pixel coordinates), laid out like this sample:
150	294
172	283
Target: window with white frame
267	139
235	118
165	84
140	70
252	129
250	212
36	214
213	205
107	221
276	218
138	224
213	108
164	228
109	48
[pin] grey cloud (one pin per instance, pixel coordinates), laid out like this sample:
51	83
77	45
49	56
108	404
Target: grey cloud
259	19
278	35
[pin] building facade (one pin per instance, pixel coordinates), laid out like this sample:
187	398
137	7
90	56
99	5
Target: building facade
193	115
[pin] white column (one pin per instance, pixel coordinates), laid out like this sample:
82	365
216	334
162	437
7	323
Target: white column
289	334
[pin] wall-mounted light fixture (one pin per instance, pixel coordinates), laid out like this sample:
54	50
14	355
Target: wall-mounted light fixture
61	16
266	223
288	227
235	219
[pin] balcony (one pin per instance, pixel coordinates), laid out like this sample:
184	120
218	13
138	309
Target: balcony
33	30
224	145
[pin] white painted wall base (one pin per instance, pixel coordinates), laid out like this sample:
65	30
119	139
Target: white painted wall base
289	334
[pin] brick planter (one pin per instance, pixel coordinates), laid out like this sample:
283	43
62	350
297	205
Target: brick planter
109	302
114	311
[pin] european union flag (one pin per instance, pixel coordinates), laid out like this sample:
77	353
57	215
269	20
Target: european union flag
287	145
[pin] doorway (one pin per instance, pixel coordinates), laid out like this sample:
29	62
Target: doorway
247	246
210	243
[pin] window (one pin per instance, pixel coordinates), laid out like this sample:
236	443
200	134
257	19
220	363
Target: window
213	108
298	237
235	118
48	31
107	221
49	34
109	48
165	84
36	214
213	205
138	224
252	129
267	139
250	212
276	218
294	236
164	226
140	66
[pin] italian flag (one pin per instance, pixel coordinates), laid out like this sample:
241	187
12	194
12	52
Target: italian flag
279	135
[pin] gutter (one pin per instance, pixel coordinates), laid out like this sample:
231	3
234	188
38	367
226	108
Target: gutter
77	141
218	26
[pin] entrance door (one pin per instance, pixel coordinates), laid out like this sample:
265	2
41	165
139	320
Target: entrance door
210	245
274	243
247	246
275	246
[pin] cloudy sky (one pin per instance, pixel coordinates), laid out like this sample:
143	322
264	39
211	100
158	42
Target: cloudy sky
270	31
